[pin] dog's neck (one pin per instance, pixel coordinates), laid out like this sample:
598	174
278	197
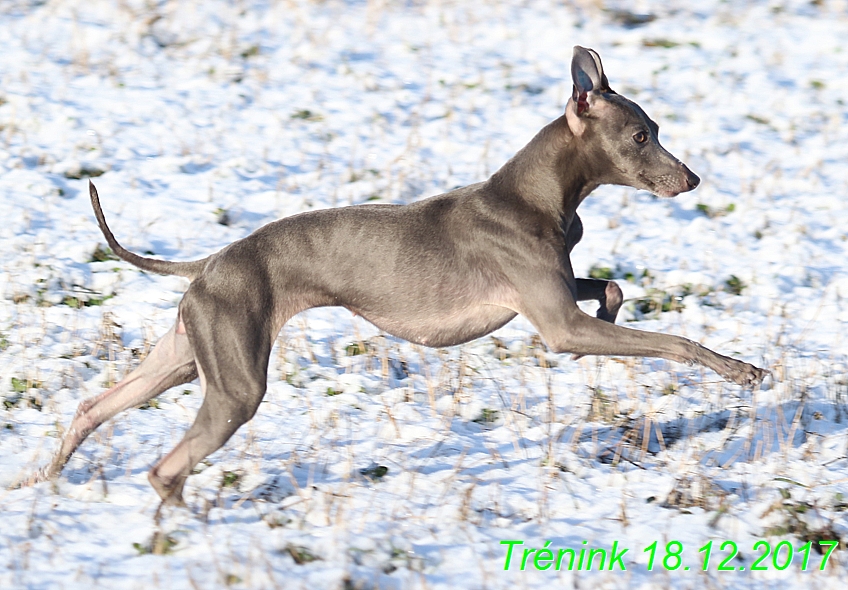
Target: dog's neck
550	174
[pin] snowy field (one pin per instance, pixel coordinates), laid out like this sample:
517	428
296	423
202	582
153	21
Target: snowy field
373	463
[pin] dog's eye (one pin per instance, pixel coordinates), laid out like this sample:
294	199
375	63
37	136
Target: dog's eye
640	137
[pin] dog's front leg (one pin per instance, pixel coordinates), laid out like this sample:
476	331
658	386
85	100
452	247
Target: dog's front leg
607	293
549	304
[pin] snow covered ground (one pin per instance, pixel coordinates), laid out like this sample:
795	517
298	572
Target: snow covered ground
373	463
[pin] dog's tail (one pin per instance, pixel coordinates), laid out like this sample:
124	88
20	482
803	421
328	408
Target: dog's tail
189	270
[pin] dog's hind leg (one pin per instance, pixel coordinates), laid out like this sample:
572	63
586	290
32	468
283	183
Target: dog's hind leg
232	346
170	363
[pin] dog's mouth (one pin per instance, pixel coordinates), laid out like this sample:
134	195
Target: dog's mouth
665	193
669	185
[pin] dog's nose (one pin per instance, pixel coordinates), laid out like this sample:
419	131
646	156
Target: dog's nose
692	179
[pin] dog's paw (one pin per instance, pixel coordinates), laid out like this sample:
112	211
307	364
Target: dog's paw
743	374
39	476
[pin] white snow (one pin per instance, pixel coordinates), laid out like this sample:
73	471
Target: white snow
243	112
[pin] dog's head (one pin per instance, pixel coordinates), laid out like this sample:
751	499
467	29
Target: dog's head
620	140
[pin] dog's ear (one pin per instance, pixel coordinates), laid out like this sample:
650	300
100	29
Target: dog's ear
587	74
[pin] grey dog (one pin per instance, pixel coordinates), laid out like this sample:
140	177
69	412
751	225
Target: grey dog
438	272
